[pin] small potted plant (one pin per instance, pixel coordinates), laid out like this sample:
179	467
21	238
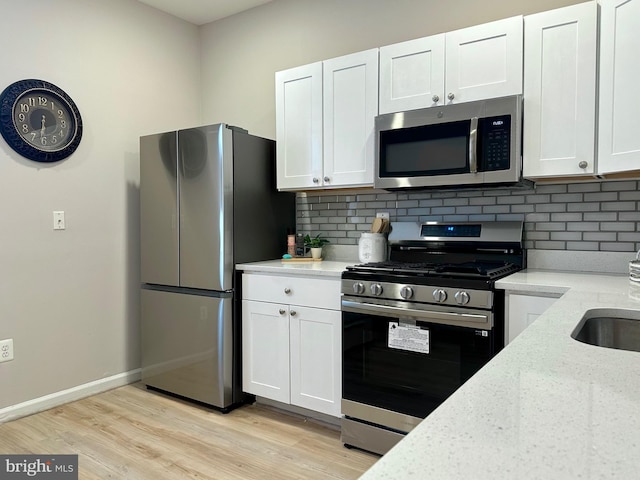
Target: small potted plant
315	244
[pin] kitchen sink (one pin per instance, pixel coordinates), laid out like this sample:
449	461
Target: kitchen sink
610	328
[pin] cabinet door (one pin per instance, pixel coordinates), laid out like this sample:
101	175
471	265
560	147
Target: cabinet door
412	74
618	138
350	106
523	310
560	91
316	359
299	127
265	350
484	61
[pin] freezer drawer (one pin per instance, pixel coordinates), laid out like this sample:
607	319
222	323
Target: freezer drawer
187	345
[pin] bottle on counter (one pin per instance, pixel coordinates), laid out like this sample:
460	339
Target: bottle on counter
299	245
291	244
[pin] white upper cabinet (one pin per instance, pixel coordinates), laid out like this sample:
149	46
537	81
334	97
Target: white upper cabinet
350	108
325	115
412	74
299	126
484	61
619	98
560	50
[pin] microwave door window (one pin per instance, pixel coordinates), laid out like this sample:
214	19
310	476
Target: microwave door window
426	150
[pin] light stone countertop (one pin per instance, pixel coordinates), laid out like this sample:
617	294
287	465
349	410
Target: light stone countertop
325	268
546	407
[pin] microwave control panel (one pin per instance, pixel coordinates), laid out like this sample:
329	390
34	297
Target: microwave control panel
495	138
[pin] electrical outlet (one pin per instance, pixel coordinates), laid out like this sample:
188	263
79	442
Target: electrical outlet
383	215
6	350
58	220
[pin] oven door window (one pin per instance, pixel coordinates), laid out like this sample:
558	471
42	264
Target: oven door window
440	149
405	381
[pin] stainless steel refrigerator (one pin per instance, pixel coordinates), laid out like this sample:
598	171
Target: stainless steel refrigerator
208	200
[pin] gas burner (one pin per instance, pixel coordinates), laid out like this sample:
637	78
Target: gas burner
477	269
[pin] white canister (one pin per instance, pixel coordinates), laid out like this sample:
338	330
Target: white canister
372	247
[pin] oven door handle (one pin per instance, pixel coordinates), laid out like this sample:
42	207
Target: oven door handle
471	320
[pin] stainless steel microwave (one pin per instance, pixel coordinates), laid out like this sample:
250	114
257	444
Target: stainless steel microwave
459	145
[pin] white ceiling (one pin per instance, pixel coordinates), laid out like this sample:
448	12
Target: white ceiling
200	12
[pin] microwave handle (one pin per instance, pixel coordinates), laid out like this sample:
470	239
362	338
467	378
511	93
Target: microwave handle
473	145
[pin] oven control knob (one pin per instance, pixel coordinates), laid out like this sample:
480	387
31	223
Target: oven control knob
376	289
406	292
439	295
462	297
358	288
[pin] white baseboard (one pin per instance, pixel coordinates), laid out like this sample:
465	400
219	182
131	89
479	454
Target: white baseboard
52	400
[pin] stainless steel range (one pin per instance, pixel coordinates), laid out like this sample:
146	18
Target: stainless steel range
416	327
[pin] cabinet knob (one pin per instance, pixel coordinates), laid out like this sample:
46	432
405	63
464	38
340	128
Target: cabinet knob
326	179
293	313
435	99
583	164
287	291
316	180
451	96
282	311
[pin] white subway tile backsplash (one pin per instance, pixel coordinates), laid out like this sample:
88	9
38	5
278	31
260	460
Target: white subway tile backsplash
591	216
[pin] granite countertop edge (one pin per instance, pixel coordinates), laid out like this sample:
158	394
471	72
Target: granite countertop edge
325	268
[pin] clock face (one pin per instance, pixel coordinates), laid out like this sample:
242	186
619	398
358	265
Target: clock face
39	120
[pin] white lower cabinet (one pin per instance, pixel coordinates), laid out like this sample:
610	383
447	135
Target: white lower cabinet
522	311
291	352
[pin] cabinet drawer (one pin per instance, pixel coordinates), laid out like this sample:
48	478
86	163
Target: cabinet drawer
310	292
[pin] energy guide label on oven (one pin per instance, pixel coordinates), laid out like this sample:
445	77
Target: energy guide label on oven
410	338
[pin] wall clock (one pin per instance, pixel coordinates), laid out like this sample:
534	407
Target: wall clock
39	120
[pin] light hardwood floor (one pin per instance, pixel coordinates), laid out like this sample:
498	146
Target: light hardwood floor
131	433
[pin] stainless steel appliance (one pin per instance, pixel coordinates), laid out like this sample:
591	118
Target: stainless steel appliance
207	201
459	145
416	327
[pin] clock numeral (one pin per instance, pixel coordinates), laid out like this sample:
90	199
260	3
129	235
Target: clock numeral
60	114
24	107
32	101
53	105
61	133
54	139
25	128
63	124
22	117
42	101
33	136
43	140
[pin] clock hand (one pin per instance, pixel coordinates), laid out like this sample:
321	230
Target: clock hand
42	129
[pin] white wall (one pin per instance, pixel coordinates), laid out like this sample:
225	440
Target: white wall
240	54
69	299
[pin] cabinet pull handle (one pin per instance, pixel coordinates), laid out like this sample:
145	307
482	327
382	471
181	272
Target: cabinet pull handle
316	180
435	99
282	311
326	179
451	96
287	291
583	164
293	313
